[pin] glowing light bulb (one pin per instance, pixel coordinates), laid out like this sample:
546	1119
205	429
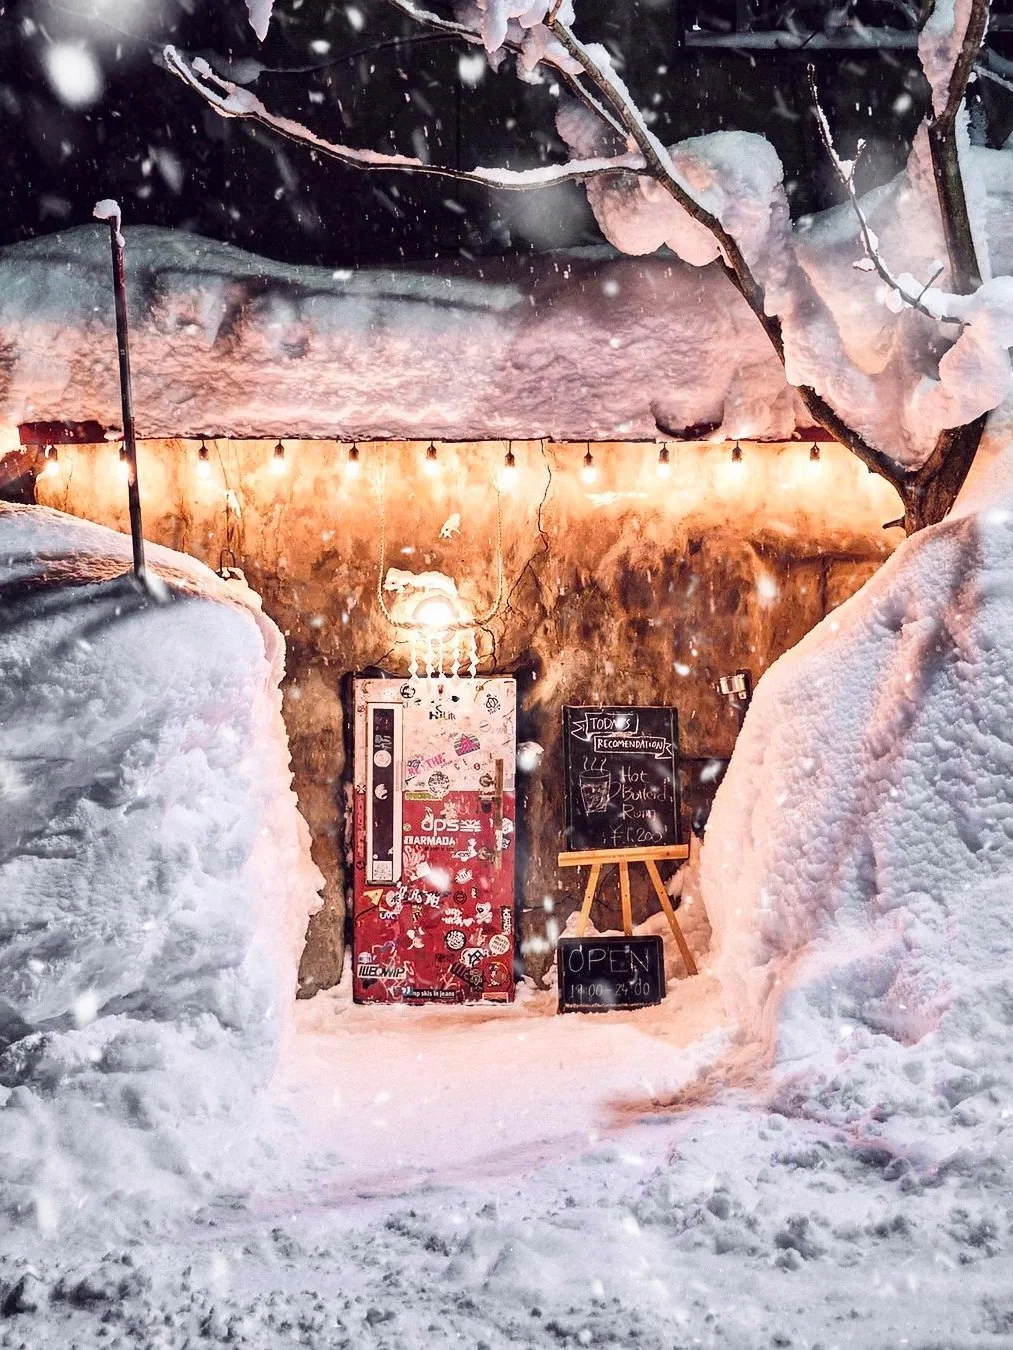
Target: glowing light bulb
737	453
203	462
52	466
508	473
278	462
664	469
124	464
814	456
435	612
589	470
353	464
431	464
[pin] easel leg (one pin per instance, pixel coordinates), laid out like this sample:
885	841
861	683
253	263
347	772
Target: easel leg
673	922
624	892
589	890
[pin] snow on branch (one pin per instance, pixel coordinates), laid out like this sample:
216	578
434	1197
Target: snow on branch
948	45
901	291
259	13
231	100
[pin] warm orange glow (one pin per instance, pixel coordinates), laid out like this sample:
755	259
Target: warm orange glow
279	464
589	471
508	473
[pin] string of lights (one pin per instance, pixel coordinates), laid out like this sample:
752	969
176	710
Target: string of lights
280	459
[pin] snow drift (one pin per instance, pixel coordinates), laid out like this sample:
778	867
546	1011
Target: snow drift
155	879
859	857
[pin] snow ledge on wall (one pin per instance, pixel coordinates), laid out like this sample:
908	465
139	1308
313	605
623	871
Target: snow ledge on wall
582	345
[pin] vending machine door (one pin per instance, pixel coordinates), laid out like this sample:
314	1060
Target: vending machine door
434	789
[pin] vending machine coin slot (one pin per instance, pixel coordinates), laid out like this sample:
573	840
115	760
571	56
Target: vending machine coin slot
383	793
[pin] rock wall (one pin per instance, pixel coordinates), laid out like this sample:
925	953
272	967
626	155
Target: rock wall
629	589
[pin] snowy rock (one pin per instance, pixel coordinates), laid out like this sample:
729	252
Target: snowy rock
154	874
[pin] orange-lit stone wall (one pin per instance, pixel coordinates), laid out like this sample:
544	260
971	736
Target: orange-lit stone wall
631	588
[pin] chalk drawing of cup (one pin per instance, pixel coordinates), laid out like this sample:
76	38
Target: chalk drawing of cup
594	793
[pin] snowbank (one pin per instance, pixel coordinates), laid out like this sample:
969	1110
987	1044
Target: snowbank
155	880
578	345
859	855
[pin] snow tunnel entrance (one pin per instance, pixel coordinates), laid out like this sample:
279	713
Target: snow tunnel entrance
630	580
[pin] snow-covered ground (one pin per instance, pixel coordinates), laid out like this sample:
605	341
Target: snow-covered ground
807	1145
502	1178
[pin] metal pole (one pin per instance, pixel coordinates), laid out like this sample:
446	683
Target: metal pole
126	396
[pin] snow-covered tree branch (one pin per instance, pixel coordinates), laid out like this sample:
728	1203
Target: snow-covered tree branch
232	100
900	373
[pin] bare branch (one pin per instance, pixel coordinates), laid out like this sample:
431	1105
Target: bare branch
846	170
974	36
231	100
942	134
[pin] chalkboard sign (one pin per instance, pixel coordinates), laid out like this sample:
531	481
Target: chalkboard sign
622	782
599	973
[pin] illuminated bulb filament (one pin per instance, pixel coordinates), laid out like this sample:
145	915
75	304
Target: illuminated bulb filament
52	466
589	471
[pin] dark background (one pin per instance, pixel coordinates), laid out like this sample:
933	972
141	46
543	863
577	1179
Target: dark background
363	73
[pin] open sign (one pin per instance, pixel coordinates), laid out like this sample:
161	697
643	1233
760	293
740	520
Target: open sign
599	973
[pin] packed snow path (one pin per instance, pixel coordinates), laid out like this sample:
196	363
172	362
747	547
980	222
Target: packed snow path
392	1215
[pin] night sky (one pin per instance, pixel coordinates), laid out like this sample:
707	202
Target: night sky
87	113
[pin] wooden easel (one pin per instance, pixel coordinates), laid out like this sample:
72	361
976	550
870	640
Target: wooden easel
597	858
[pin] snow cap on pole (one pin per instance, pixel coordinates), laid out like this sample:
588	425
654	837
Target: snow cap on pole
107	209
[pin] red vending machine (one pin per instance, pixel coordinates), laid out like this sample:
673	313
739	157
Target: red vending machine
434	779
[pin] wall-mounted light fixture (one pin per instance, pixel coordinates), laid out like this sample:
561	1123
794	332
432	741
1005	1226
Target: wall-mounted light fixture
589	470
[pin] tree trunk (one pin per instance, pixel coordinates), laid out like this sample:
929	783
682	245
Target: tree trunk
929	493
